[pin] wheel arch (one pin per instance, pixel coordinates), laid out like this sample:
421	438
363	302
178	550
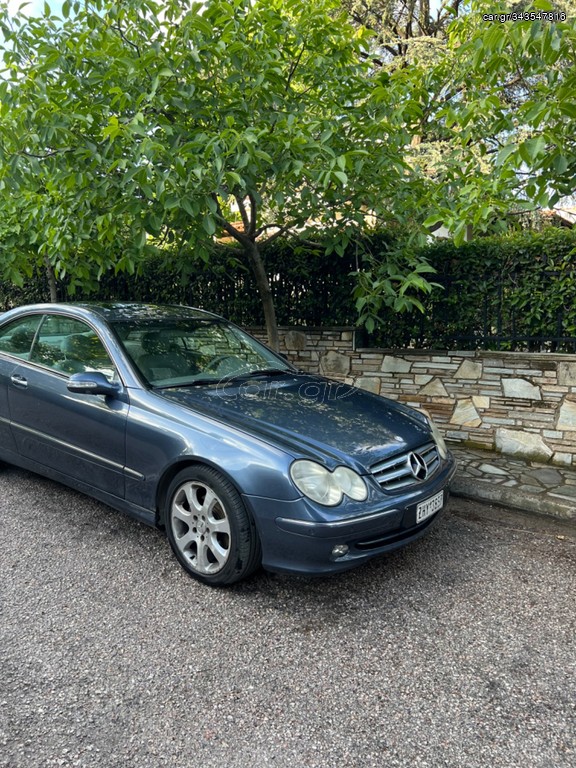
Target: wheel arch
173	470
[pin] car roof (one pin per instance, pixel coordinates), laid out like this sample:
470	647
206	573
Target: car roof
118	312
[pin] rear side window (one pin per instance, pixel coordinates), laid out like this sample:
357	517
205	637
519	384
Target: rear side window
16	338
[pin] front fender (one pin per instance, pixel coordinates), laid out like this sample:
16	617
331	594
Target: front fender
161	439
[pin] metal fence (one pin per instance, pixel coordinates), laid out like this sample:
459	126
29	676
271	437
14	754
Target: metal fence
499	314
513	294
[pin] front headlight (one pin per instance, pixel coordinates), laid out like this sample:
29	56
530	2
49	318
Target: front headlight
325	487
438	439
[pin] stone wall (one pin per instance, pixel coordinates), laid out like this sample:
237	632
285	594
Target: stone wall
515	403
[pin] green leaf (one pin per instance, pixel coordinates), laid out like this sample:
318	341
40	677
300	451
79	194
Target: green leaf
233	179
209	224
560	164
140	240
152	224
568	108
531	148
171	201
188	206
434	218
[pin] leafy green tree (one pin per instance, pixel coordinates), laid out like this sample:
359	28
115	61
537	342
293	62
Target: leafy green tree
500	105
491	115
133	125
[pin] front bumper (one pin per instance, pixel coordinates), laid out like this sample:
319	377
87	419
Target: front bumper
293	542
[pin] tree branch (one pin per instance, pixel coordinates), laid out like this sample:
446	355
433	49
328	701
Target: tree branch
277	234
243	214
230	228
253	214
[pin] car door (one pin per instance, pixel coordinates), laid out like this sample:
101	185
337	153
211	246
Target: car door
80	436
15	344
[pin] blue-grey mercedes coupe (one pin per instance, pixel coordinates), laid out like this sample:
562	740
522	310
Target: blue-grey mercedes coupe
186	422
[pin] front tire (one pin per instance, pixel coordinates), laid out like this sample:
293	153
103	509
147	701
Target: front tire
209	528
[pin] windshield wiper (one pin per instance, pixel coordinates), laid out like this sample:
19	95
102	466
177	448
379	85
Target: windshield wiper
193	383
229	379
267	372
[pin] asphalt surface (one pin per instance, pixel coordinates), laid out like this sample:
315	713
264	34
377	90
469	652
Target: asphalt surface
458	651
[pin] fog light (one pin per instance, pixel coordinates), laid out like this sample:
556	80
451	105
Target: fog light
340	550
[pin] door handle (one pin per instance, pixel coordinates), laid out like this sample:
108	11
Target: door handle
19	381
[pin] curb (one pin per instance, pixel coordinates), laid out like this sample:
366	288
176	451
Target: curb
542	504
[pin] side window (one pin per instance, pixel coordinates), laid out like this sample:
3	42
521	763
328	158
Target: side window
69	345
16	338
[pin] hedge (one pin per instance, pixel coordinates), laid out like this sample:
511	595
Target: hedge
513	292
507	292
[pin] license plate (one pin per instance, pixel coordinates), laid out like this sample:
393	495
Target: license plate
428	507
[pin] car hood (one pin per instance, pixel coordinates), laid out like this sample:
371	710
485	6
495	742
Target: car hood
311	416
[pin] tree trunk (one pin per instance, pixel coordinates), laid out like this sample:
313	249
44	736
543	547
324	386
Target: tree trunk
263	285
246	236
51	282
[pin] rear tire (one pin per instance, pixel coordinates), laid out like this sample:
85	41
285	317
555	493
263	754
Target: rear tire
209	528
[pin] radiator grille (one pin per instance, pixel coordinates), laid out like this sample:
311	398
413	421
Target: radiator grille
406	469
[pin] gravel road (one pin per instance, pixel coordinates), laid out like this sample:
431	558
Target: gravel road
459	651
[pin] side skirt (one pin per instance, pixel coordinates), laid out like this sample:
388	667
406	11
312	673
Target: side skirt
146	516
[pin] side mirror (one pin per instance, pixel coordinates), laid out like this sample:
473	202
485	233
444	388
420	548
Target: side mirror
92	383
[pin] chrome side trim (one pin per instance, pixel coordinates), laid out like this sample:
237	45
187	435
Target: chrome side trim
338	523
62	445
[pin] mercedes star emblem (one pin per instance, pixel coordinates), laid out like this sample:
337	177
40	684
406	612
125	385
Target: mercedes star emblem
418	466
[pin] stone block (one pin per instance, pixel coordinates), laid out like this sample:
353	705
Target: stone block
567	416
465	414
440	367
434	389
469	370
371	356
490	469
567	374
564	459
521	388
369	383
553	434
480	401
335	363
525	444
392	364
295	340
548	476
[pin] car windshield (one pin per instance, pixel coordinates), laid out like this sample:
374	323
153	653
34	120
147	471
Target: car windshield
188	351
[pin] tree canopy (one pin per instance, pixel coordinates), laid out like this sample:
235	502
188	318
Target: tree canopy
501	101
136	126
132	124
